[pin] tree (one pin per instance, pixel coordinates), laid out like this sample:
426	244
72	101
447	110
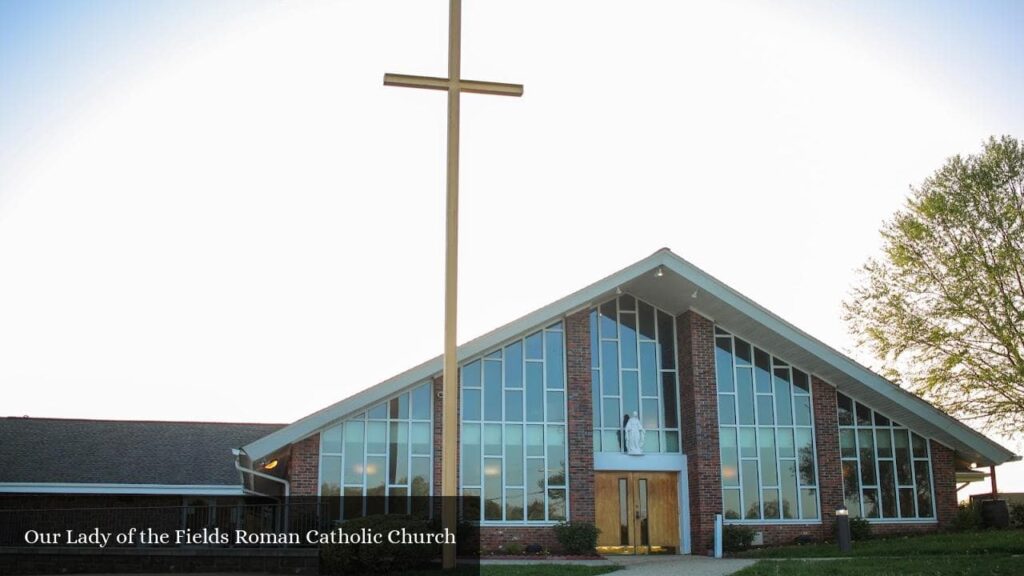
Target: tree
943	310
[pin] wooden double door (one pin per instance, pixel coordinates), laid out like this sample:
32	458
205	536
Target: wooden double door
637	512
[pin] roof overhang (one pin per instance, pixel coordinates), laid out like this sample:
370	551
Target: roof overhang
681	287
105	488
970	476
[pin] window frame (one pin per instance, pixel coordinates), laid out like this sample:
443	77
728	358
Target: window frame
363	416
554	327
774	363
891	428
598	367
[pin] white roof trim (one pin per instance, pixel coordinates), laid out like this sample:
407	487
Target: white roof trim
945	428
960	432
108	488
537	319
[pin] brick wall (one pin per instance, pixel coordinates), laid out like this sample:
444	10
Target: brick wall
304	466
699	412
496	538
581	426
826	437
944	478
435	393
699	419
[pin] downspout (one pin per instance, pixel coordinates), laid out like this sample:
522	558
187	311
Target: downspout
287	486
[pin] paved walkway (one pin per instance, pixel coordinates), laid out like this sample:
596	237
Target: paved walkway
679	565
648	565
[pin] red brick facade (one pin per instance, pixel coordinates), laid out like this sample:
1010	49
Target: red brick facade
581	417
304	467
436	392
944	480
699	423
497	538
826	439
698	407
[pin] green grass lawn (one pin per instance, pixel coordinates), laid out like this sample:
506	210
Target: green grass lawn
990	553
956	544
914	566
545	570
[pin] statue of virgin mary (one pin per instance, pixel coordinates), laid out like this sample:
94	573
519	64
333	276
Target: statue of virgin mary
635	435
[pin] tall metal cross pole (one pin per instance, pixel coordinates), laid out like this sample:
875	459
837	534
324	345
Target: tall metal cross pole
455	85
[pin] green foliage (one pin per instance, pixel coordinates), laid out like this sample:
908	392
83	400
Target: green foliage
383	558
736	538
968	517
860	529
513	548
1017	515
943	309
577	538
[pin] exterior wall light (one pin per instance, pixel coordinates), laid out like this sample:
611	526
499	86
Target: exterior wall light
843	529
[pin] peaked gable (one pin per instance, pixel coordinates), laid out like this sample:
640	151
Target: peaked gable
676	285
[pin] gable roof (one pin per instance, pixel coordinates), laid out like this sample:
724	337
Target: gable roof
681	287
103	453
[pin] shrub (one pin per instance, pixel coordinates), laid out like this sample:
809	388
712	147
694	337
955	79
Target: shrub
338	559
968	517
860	529
804	539
1017	515
513	549
736	538
577	538
534	549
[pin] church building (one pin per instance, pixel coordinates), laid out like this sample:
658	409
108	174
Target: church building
646	403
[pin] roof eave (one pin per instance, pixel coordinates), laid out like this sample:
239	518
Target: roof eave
957	435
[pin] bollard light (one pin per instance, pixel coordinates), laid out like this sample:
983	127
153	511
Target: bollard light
843	529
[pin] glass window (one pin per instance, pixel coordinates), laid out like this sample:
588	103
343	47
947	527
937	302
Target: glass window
730	457
330	476
886	468
385	451
766	434
421	403
513	460
845	406
633	358
513	406
330	440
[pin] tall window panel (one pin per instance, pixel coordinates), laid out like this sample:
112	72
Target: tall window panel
383	454
514	447
766	434
886	468
633	370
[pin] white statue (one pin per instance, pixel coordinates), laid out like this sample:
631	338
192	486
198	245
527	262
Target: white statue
635	435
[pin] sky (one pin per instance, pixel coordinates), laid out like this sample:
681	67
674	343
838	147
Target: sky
214	210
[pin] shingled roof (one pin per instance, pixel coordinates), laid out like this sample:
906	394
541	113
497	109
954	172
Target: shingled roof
51	450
